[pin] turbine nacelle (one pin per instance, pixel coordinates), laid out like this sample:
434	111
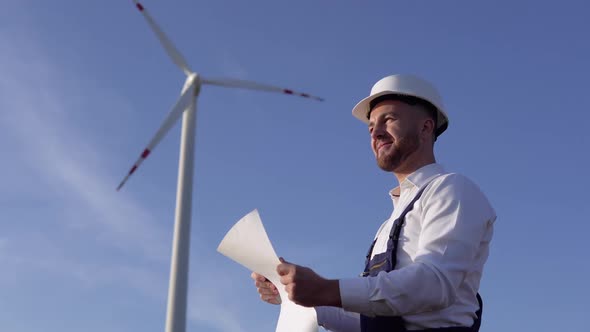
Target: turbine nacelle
193	79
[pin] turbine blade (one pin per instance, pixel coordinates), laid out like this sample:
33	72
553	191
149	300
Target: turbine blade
235	83
174	54
181	105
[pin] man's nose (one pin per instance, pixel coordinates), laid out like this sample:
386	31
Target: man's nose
377	132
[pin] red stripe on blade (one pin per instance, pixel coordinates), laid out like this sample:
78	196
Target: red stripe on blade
132	169
139	6
145	153
287	91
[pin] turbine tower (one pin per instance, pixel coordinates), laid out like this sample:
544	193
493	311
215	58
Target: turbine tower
185	106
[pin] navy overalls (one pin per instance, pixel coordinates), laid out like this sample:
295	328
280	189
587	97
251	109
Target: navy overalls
386	262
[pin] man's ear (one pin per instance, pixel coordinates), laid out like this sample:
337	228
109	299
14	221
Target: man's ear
428	126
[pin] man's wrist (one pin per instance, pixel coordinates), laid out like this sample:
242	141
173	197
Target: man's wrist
331	294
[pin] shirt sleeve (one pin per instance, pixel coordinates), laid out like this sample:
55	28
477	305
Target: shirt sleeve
455	216
337	320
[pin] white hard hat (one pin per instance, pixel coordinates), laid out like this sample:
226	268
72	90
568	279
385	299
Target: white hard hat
404	85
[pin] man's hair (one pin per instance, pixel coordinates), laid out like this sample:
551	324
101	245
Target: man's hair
427	106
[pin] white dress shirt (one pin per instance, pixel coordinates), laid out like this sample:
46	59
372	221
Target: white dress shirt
443	246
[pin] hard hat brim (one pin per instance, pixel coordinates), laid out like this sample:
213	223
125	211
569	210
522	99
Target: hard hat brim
362	108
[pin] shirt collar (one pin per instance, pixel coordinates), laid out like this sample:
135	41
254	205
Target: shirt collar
417	179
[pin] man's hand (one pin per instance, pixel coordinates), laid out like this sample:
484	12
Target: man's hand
307	288
268	292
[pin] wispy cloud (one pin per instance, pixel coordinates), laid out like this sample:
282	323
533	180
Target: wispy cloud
38	103
36	118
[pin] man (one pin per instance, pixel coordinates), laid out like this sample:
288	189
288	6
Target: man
424	268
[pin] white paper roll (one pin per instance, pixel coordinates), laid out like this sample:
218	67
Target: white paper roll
247	244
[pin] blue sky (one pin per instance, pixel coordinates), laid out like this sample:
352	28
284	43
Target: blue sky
84	85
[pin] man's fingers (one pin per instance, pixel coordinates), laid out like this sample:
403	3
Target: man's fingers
259	284
257	277
266	297
266	291
265	284
273	299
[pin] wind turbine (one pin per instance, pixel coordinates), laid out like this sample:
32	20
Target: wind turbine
186	106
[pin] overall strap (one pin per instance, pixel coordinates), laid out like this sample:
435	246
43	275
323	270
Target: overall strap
399	222
395	232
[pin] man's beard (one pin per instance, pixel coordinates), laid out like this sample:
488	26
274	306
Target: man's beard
402	148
